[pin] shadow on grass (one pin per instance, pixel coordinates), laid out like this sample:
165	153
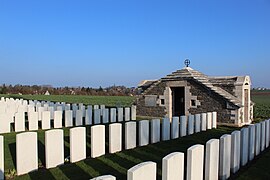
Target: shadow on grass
12	149
41	152
41	174
72	171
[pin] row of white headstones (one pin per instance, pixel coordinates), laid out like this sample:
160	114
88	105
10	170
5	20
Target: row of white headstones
27	149
217	160
47	111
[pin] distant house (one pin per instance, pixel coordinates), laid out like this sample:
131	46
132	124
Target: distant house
47	93
188	91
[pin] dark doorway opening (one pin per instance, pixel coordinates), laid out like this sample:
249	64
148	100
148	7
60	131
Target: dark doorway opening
178	97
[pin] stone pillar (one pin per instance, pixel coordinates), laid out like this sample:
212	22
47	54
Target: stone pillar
212	159
195	161
173	166
146	170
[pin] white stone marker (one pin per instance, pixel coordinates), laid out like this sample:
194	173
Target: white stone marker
4	124
19	122
214	120
68	118
26	153
204	121
58	116
97	141
195	161
133	112
225	156
74	109
105	177
130	135
190	124
263	135
197	123
77	144
155	131
175	128
235	151
257	139
79	118
40	110
2	156
115	138
209	121
251	142
54	148
46	120
146	170
212	159
120	114
96	106
105	116
143	133
166	129
51	109
267	123
113	115
88	116
244	146
97	116
33	121
183	126
127	114
173	166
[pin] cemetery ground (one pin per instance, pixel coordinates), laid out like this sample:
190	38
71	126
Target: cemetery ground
117	164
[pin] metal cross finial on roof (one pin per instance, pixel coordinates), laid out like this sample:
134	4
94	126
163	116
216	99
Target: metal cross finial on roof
187	62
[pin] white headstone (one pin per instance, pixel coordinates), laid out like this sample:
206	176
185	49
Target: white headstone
225	157
209	121
251	142
97	141
26	153
68	118
105	116
235	151
79	118
120	114
54	148
40	110
33	121
130	135
105	177
267	134
51	109
155	131
197	123
173	166
143	133
127	114
58	116
166	129
212	159
113	115
96	106
183	126
4	124
97	114
146	170
244	146
133	112
195	161
2	156
263	135
74	109
88	116
19	122
257	139
175	128
77	144
190	124
46	120
115	137
214	120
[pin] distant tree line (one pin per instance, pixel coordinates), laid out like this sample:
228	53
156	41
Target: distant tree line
39	90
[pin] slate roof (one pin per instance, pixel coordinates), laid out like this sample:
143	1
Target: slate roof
200	78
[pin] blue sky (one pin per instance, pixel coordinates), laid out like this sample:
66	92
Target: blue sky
107	42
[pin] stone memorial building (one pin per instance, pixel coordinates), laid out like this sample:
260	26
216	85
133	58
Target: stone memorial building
188	91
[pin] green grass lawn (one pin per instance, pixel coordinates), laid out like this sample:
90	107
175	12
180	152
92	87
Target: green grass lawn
121	101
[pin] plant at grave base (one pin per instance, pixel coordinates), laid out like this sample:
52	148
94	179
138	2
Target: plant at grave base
67	159
11	174
40	165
